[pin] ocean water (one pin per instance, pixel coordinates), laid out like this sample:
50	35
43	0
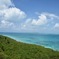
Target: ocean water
48	41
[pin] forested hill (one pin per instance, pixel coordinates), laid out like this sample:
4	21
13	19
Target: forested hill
11	49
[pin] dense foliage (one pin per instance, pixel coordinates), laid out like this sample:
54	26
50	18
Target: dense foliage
11	49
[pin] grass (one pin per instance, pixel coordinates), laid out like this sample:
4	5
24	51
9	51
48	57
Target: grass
11	49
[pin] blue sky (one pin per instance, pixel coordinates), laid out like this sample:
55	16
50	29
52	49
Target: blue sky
34	16
32	6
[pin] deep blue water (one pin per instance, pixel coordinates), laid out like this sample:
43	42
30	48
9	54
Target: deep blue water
49	41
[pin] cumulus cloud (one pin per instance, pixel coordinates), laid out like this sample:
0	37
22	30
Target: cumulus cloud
45	18
9	14
12	14
40	21
5	4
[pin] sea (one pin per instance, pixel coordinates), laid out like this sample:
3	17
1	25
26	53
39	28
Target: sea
47	40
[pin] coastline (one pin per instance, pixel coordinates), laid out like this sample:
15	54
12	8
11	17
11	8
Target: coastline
30	43
12	49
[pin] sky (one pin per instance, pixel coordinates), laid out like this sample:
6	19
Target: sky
29	16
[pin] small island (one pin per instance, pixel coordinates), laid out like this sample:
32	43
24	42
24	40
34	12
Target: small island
12	49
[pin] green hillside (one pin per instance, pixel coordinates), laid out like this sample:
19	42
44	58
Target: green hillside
11	49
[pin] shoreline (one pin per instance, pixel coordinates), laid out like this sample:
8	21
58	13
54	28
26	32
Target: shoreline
30	43
12	49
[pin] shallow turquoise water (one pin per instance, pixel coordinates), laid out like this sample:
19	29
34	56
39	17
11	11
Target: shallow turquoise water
49	41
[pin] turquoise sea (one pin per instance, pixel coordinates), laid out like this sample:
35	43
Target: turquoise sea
46	40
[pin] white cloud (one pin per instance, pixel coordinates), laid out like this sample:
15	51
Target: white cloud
51	16
5	4
45	18
10	16
40	21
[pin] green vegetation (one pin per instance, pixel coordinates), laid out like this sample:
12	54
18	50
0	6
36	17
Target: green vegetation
11	49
